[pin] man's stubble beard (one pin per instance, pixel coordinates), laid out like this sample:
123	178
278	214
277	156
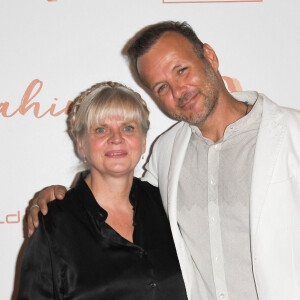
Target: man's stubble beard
211	97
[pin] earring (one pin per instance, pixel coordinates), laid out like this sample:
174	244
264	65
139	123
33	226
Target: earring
84	160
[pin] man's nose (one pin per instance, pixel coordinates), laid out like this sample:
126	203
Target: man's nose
178	90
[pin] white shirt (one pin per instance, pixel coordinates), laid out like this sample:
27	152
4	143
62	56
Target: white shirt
213	208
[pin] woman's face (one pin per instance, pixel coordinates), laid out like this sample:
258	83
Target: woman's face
113	148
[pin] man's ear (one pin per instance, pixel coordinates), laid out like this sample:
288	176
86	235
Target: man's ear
211	57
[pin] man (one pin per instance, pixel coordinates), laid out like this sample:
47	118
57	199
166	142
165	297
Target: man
228	172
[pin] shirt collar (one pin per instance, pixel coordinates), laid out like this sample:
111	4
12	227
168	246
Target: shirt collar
89	202
251	120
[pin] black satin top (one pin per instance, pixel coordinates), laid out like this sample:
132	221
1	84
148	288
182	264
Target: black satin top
74	254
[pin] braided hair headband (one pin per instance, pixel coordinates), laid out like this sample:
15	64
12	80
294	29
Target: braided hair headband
89	93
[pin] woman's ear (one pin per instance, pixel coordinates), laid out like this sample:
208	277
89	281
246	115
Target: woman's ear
144	144
80	147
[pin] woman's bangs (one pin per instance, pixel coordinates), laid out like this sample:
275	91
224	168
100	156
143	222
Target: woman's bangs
122	109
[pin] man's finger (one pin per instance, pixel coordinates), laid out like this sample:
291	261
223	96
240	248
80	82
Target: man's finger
48	194
45	196
34	211
30	225
32	216
59	192
39	202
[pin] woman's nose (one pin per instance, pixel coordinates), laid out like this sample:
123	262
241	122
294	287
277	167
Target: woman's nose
116	137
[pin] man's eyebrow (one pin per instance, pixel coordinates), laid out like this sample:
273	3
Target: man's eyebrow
176	66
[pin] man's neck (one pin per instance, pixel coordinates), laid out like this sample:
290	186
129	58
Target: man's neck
227	111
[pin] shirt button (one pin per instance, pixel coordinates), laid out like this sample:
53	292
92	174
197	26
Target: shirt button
153	285
216	146
212	182
217	259
222	296
213	219
142	253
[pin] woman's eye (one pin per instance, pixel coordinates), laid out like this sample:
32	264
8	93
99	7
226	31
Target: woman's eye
100	130
128	128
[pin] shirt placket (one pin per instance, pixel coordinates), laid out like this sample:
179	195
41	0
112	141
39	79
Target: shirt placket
216	247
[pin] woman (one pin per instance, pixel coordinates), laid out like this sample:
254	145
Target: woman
109	238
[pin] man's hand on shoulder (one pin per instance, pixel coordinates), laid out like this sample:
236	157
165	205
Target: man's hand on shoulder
39	202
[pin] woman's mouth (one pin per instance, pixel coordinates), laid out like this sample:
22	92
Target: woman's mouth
116	154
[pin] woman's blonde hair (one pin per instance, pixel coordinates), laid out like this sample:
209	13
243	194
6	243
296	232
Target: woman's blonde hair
106	100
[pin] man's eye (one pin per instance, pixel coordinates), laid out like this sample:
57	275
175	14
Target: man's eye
100	130
182	70
161	88
128	128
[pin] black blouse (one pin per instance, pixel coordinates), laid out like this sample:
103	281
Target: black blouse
74	254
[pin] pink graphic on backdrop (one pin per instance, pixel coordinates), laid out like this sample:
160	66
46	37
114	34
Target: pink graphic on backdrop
11	218
209	1
26	104
233	84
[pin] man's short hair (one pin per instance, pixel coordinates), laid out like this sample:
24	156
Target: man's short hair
146	38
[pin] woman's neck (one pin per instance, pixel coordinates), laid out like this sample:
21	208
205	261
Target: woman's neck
111	192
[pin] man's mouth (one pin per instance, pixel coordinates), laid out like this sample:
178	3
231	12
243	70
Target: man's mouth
185	104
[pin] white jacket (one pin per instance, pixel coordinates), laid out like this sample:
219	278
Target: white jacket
274	200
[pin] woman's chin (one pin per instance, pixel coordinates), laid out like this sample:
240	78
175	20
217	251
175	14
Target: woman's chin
118	172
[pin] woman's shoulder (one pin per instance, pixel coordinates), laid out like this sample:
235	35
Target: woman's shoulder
62	205
60	211
143	190
144	185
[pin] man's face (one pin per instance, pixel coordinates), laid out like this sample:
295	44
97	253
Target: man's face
185	86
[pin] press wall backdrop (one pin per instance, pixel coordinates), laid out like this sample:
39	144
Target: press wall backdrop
52	50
